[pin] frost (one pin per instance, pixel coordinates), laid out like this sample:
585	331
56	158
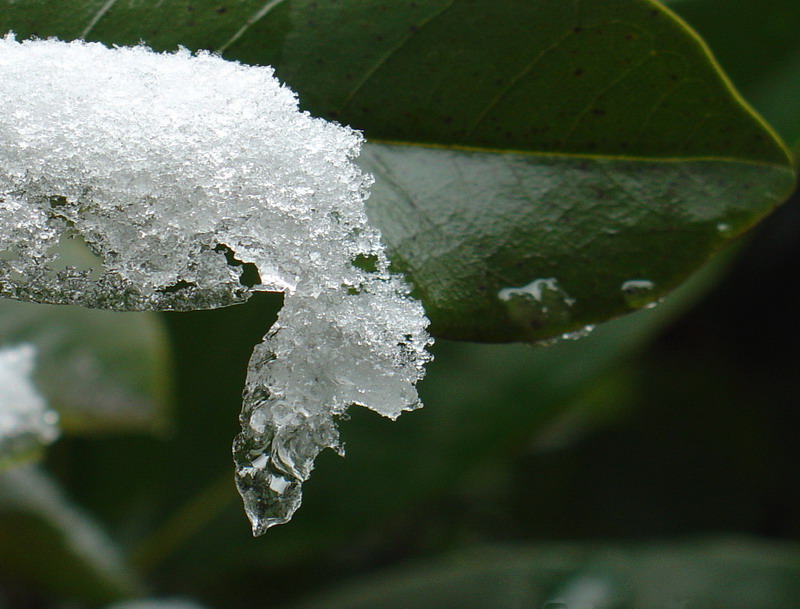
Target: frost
25	421
178	171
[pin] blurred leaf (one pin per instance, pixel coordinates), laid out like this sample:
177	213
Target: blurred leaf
727	573
102	371
155	604
47	542
592	144
757	43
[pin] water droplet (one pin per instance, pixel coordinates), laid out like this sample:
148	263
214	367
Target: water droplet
638	293
541	306
724	229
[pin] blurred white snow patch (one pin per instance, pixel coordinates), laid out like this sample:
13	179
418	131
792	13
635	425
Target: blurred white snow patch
25	420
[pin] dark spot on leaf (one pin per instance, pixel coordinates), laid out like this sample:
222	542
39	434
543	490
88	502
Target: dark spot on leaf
655	13
333	114
673	77
598	112
447	119
413	28
578	72
190	8
630	37
221	10
379	38
577	29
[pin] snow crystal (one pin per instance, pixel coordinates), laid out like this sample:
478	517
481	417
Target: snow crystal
178	171
25	420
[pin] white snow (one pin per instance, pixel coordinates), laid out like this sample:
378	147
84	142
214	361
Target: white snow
25	420
172	166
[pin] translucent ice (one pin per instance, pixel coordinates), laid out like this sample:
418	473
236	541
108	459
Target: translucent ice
177	171
25	420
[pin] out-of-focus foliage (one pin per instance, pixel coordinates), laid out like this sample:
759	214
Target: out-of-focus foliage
102	372
712	574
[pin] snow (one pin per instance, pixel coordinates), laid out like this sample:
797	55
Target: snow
25	420
177	171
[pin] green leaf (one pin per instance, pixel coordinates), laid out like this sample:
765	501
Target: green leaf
720	573
590	143
102	371
48	543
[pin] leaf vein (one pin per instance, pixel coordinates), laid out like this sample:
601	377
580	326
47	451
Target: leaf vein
386	56
97	17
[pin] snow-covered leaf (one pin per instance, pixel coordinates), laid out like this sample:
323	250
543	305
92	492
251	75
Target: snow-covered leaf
195	181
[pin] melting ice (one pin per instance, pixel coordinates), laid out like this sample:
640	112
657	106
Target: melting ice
169	167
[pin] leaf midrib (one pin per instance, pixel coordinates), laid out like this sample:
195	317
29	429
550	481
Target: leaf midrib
584	156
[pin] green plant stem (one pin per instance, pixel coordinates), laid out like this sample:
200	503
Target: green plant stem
182	525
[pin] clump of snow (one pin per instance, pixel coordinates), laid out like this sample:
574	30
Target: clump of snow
179	171
25	420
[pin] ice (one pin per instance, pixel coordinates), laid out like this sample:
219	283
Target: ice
25	420
178	171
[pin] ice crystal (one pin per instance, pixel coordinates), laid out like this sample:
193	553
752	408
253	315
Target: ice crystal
178	171
25	420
